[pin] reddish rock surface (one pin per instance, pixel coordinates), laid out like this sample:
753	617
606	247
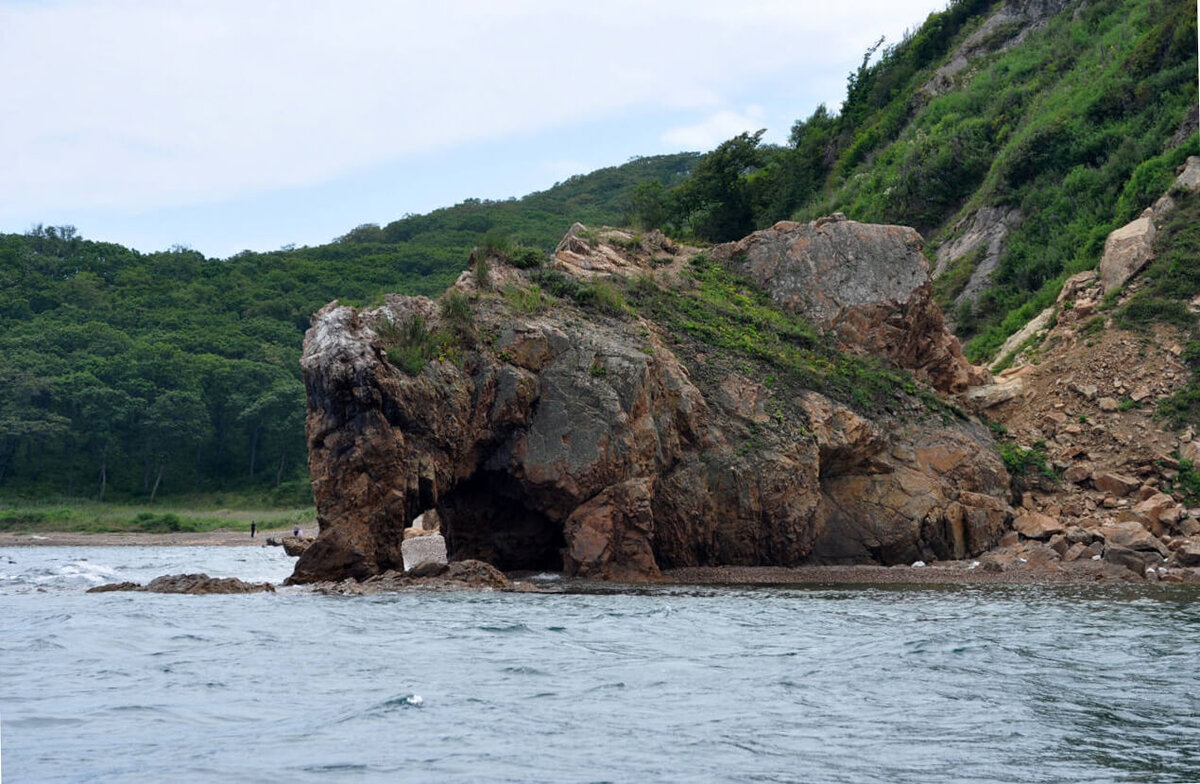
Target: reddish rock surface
599	444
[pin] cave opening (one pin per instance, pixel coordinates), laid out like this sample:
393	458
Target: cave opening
489	517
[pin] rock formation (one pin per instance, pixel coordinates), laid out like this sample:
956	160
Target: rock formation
189	584
599	443
295	545
869	284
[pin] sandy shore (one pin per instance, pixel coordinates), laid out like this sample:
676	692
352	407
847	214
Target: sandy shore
218	538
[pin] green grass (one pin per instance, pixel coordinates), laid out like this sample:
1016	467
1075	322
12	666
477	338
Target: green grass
526	299
728	312
193	514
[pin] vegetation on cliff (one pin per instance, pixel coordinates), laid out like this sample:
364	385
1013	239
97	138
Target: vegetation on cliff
1079	125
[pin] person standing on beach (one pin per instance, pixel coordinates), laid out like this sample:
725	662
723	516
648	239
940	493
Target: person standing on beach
253	528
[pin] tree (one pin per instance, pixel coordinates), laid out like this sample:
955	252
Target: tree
275	417
175	423
716	199
25	416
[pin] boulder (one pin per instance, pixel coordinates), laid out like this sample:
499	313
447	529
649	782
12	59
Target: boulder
1035	525
992	395
431	568
1132	560
1154	508
1117	484
1133	536
1188	555
1127	250
296	545
419	550
110	587
868	285
1077	474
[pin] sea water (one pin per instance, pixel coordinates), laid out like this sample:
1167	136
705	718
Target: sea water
818	683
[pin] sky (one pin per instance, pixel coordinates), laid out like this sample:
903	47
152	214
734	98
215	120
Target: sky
225	125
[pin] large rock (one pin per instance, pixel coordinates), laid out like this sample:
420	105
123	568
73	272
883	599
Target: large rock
571	440
1127	250
1117	484
189	584
1130	248
1133	536
1035	525
418	551
296	545
868	284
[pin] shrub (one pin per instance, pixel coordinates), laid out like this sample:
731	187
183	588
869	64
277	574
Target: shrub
526	258
409	344
1022	462
159	523
482	271
456	310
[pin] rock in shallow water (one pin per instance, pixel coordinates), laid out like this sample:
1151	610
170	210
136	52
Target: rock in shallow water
189	584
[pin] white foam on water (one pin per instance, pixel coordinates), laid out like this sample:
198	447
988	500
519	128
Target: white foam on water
92	572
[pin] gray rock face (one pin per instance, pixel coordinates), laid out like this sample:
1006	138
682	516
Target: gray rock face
868	284
1004	29
987	230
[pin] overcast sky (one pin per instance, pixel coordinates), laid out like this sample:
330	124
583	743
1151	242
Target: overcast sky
230	124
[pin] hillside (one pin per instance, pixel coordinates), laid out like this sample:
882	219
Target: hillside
128	374
1015	136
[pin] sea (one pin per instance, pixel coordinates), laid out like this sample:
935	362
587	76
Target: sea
818	683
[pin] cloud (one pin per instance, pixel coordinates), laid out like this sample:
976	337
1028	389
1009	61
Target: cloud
132	105
714	129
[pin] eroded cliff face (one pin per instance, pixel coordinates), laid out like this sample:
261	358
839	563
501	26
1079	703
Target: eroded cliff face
868	284
598	443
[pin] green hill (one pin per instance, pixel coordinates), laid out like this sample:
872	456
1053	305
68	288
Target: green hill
140	374
1053	130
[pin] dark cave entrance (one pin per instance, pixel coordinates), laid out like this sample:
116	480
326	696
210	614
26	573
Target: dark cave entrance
487	517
